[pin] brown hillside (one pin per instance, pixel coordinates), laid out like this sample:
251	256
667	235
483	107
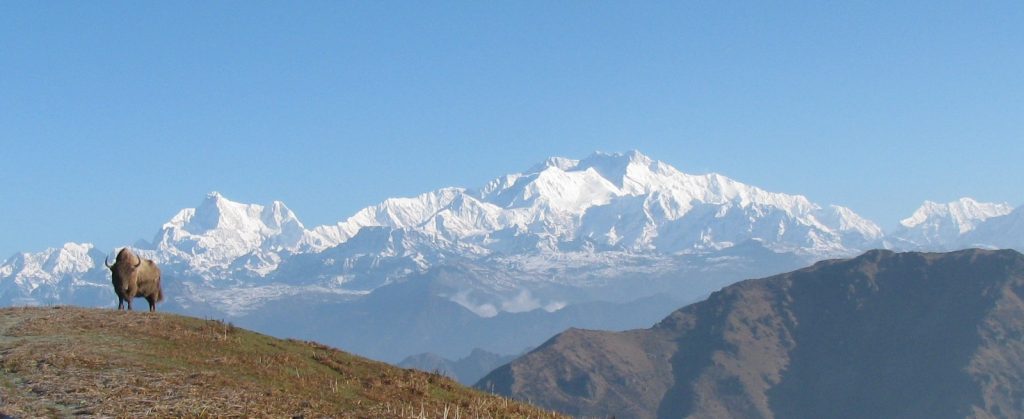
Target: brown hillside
64	361
884	335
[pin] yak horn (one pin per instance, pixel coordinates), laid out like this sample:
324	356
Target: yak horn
140	261
106	261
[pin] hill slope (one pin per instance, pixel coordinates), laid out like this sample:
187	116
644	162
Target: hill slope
882	335
65	361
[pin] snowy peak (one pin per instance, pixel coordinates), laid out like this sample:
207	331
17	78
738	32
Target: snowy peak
848	222
624	200
941	226
1005	232
219	213
219	231
562	191
561	220
394	213
635	174
561	163
964	214
558	185
71	258
606	201
51	265
630	171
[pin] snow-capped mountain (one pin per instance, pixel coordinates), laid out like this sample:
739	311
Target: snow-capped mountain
565	222
49	266
602	213
52	274
937	226
623	202
571	223
1005	232
221	238
520	250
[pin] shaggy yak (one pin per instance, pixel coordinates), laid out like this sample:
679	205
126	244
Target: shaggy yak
134	277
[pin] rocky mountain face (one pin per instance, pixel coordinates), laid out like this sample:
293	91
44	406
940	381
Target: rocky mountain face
600	233
882	335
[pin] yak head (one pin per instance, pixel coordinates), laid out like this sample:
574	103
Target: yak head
125	269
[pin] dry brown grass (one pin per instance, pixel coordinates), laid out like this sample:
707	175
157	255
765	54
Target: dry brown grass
64	361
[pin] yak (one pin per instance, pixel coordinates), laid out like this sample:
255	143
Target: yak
134	277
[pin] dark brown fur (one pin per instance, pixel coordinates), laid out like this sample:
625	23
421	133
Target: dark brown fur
134	277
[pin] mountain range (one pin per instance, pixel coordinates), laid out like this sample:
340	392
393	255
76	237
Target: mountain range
893	335
612	241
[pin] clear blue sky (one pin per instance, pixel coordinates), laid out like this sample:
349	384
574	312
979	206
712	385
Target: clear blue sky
114	115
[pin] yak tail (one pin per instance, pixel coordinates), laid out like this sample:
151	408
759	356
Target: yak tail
159	294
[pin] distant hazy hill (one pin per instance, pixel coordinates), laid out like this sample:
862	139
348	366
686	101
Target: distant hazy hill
466	370
65	361
884	335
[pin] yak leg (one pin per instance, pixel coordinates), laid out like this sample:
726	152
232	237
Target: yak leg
152	302
120	303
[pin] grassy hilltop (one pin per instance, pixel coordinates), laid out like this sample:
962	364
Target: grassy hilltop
65	361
